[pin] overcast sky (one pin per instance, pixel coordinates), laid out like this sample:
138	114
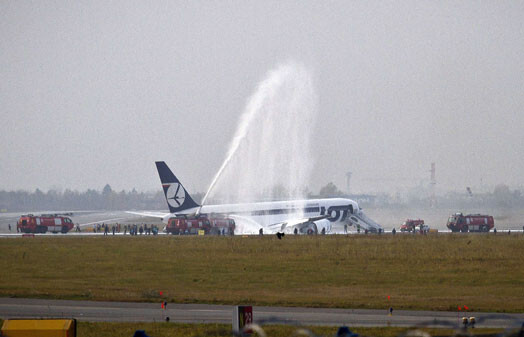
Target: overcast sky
93	92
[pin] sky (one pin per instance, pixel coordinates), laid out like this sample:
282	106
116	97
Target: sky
94	92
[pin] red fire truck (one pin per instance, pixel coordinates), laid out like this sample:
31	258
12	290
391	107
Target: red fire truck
184	225
44	223
470	223
410	225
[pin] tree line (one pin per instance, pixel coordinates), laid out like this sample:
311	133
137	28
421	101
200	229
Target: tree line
108	199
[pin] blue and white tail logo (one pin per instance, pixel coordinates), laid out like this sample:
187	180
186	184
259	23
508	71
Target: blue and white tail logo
176	195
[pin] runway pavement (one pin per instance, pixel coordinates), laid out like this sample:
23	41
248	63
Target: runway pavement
206	313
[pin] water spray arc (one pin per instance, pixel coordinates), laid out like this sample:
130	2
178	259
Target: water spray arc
240	134
271	145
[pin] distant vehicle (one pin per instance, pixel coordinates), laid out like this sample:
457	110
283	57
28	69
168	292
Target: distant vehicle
227	225
184	225
422	228
410	225
470	223
44	223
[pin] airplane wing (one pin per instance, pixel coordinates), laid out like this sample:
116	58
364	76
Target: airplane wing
149	214
295	223
101	221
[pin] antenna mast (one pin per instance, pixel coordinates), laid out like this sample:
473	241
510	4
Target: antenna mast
348	179
433	182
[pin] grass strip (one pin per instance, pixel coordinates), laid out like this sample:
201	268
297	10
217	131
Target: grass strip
433	272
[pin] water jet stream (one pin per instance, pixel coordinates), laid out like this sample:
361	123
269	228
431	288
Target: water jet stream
269	156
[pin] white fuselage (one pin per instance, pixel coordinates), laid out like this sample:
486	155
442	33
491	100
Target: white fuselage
263	214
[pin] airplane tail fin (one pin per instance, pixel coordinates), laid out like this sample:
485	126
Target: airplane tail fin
176	195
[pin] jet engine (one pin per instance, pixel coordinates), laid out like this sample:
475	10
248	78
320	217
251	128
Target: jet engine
322	226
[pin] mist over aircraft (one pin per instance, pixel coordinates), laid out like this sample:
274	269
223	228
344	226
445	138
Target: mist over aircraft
310	216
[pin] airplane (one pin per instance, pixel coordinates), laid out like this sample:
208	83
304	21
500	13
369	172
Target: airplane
314	216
